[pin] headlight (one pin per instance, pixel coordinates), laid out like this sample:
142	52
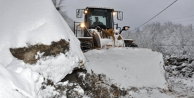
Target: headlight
82	25
125	28
114	13
85	11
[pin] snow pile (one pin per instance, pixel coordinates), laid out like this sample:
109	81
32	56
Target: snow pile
56	68
18	80
31	22
129	66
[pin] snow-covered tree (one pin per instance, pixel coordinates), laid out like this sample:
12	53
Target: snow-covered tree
168	38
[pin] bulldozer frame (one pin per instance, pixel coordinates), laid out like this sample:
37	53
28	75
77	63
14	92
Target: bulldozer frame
87	31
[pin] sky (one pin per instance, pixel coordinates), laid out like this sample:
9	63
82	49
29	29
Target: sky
137	12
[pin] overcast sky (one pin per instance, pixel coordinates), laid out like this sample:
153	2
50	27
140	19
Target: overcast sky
137	12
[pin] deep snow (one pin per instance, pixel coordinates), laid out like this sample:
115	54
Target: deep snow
24	23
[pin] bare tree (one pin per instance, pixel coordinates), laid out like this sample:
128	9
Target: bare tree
59	4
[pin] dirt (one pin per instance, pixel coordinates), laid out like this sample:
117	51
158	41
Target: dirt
180	73
94	85
27	54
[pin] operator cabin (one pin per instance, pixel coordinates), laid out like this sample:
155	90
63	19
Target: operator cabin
99	16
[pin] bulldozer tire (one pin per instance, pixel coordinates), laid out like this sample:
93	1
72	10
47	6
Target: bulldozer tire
86	45
130	45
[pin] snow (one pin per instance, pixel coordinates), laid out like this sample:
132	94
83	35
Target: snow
47	66
46	93
31	22
129	66
42	24
21	81
150	94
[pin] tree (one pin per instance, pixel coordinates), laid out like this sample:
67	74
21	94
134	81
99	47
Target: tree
59	4
167	38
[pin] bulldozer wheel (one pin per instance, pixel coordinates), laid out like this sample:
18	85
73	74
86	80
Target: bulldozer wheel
130	45
86	45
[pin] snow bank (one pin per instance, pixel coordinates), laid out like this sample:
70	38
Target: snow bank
129	66
18	80
30	22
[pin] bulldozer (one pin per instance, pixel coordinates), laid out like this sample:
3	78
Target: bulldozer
97	19
142	67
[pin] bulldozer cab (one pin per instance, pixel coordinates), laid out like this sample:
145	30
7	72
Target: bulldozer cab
94	16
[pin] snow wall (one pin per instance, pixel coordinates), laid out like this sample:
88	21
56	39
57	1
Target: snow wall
30	22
